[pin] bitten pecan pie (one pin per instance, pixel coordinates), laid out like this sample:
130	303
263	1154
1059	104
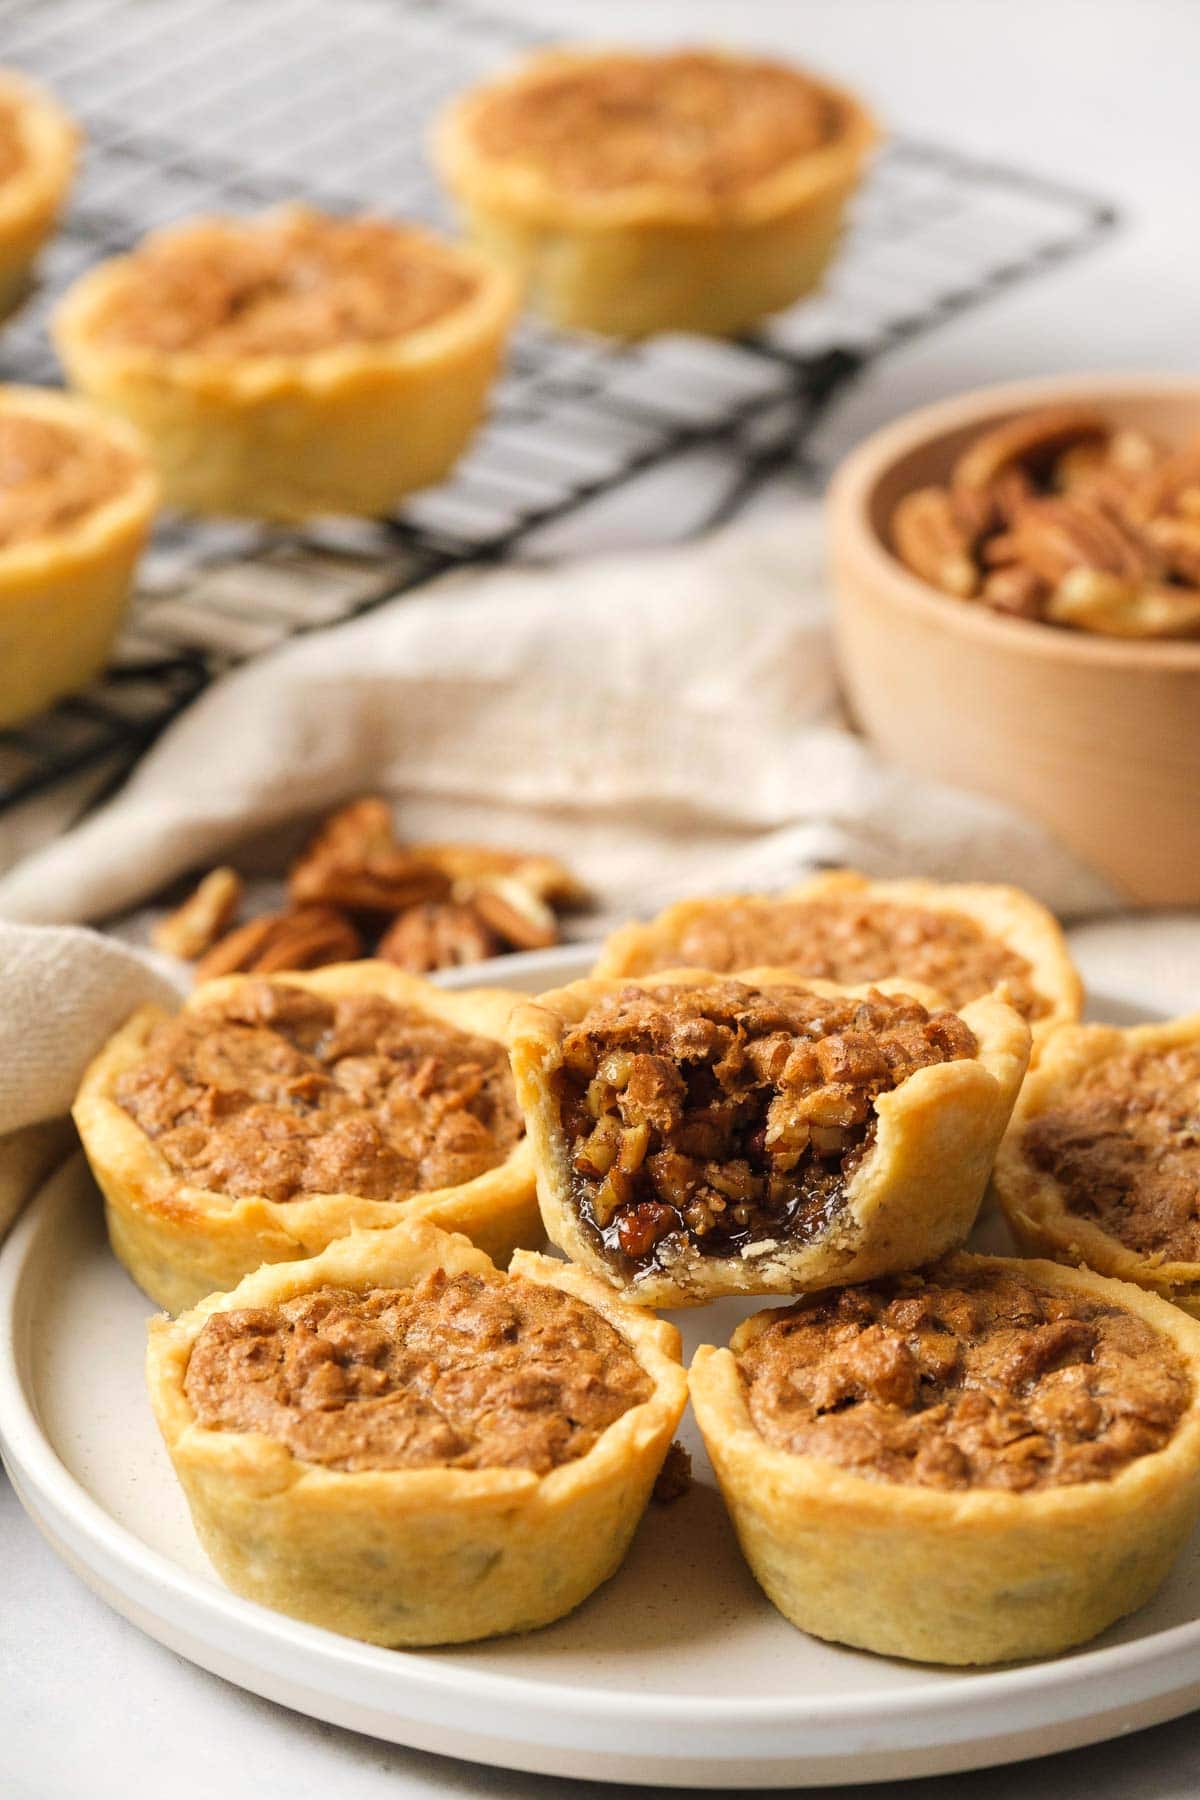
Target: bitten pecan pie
1102	1161
633	192
269	1117
698	1135
398	1441
1009	1449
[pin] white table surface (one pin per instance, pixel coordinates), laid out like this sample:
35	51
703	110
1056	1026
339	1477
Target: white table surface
1102	91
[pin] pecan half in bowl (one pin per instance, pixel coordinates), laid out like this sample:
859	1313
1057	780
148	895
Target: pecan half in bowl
1091	733
699	1134
274	1115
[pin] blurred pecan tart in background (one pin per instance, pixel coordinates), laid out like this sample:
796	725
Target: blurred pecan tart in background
990	1460
962	939
38	144
634	192
697	1135
292	364
1101	1163
396	1441
77	498
271	1116
1060	516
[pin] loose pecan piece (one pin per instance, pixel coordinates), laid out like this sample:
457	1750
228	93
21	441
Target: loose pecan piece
306	937
204	916
1058	533
1033	439
544	876
930	537
355	862
513	912
1092	600
439	934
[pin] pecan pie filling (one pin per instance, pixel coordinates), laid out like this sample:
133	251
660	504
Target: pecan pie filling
965	1380
1124	1147
282	1093
690	121
292	284
51	477
852	941
461	1371
730	1117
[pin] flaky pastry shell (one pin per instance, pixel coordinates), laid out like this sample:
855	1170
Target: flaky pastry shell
1007	914
1033	1201
350	429
63	593
914	1195
414	1556
651	257
181	1242
948	1576
34	194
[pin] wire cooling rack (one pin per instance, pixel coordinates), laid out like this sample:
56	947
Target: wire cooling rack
230	105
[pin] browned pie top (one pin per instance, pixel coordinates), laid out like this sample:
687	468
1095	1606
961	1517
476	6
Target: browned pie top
852	939
461	1371
728	1114
961	1380
281	1092
51	476
1123	1144
289	283
699	123
12	142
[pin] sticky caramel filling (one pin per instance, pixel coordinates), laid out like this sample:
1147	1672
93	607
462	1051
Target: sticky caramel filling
460	1371
52	477
290	283
851	940
280	1092
964	1380
1123	1145
728	1116
692	121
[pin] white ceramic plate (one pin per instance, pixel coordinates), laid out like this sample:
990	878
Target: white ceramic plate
678	1673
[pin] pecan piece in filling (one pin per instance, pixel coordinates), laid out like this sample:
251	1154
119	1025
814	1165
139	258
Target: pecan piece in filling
280	1092
730	1114
960	1380
1123	1145
461	1371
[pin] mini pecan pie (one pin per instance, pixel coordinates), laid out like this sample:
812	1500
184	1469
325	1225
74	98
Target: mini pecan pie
77	498
963	940
291	364
634	192
1101	1163
38	142
271	1116
398	1442
990	1460
696	1135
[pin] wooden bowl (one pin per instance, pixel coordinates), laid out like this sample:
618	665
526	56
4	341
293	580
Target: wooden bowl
1099	738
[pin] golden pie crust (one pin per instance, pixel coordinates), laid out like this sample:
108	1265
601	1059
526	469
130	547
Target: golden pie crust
634	193
286	391
412	1556
980	1575
1010	922
181	1241
77	499
1036	1203
913	1195
38	145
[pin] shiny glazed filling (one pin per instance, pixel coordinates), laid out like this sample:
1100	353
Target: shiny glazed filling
852	940
290	283
280	1092
965	1379
729	1116
52	477
1123	1145
460	1371
691	121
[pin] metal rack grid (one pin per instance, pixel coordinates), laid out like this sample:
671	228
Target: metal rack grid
220	105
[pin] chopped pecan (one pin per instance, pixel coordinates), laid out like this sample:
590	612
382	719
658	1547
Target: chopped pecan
439	934
354	861
1033	439
204	916
931	539
1092	600
509	908
306	937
